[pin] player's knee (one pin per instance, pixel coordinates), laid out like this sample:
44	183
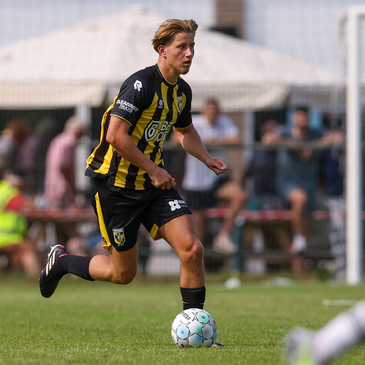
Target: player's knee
124	278
195	250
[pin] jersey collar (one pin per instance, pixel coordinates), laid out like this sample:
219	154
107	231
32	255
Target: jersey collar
163	77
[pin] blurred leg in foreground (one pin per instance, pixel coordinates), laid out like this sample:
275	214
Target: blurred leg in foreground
319	348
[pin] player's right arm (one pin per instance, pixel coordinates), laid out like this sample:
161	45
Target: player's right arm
117	135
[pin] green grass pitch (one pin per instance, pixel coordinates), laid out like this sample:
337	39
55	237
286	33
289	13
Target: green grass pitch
101	323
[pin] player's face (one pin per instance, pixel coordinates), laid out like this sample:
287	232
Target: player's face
179	54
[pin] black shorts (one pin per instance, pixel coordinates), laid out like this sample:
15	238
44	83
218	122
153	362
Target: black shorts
200	200
120	211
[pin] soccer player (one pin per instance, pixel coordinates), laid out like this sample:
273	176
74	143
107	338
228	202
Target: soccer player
130	185
319	348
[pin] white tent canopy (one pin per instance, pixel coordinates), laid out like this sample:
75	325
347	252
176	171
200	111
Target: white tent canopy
87	63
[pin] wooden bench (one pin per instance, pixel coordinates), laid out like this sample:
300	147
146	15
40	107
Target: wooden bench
276	220
264	215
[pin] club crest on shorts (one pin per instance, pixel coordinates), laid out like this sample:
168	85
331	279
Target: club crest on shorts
119	237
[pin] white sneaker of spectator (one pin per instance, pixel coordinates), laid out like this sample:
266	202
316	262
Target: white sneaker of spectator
299	244
222	244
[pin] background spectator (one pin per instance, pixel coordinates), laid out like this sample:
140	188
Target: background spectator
260	174
59	185
203	188
90	244
259	179
12	137
298	170
60	189
32	156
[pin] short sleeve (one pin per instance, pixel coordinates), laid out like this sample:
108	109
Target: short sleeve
132	99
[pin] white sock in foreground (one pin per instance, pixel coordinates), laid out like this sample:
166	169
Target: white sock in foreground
341	333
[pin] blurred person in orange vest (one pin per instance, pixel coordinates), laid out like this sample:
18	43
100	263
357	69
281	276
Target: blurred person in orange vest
16	250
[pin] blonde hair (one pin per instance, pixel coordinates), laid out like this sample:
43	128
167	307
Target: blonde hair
169	28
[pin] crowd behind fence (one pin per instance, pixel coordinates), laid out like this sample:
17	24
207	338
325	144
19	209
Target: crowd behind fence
262	230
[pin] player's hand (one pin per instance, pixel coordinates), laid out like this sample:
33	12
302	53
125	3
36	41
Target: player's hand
162	179
168	184
217	165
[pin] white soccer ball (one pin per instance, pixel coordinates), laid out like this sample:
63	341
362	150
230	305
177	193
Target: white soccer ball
194	327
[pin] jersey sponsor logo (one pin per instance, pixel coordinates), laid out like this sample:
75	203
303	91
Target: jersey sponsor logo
151	130
119	236
176	204
157	129
127	106
138	85
160	104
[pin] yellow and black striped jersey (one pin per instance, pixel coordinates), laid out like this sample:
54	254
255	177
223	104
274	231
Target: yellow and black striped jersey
151	105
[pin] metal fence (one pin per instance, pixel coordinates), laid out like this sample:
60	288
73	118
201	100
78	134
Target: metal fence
263	230
277	34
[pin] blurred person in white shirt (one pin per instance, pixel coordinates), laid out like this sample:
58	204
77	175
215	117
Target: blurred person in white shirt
203	188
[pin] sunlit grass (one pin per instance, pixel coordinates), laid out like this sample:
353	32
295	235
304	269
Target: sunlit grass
100	323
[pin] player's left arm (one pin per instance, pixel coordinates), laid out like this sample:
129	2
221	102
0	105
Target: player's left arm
192	143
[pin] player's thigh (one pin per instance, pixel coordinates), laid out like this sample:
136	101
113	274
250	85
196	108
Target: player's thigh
181	233
124	261
166	205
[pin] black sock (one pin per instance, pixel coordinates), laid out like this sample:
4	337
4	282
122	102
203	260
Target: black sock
77	265
193	298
